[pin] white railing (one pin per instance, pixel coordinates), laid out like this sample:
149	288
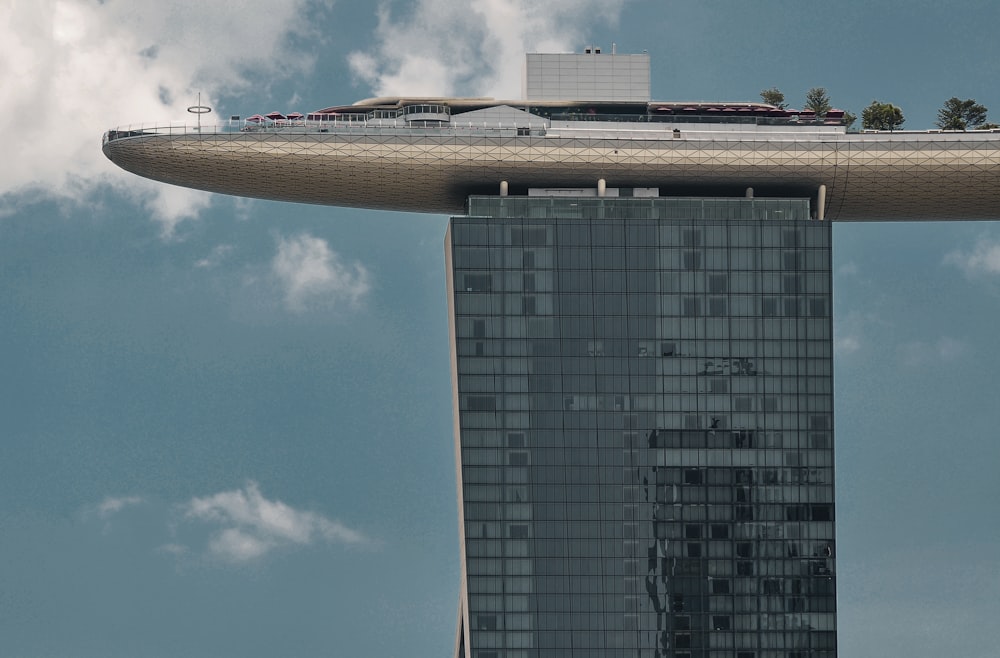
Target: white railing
457	127
301	126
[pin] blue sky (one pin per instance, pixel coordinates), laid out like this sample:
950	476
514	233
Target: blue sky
225	425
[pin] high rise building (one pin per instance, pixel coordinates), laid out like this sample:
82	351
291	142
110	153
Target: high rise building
641	324
644	396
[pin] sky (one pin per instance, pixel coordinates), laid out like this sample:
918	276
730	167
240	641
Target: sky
225	425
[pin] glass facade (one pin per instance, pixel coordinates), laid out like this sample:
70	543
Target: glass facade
644	426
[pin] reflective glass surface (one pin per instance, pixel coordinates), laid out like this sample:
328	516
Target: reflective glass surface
646	427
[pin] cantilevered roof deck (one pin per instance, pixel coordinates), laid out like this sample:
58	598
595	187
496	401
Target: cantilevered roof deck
429	155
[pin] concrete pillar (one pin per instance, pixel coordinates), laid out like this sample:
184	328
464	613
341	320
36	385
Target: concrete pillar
602	187
503	188
821	203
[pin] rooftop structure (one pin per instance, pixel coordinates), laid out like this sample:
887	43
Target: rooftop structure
591	76
431	154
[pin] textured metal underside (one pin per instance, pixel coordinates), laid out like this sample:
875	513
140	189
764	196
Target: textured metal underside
868	177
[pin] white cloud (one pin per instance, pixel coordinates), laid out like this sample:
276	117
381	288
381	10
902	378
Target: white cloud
849	268
850	331
472	47
219	254
112	505
71	69
177	550
248	525
846	344
921	353
984	258
311	274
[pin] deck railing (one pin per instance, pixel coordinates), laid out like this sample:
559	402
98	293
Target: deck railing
399	126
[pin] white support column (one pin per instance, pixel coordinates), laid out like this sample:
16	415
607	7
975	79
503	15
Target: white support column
602	187
821	203
503	188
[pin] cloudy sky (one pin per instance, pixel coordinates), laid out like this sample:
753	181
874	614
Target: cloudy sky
225	424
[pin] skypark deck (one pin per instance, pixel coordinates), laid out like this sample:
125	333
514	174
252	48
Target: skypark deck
430	155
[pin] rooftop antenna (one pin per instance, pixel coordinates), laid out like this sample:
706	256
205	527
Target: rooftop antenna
198	110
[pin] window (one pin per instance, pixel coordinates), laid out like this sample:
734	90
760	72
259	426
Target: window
819	422
692	260
481	403
791	260
477	283
720	586
691	238
822	513
791	284
518	531
720	622
720	531
795	513
744	439
718	386
528	235
791	238
518	458
817	307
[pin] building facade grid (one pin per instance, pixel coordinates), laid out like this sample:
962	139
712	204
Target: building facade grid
644	395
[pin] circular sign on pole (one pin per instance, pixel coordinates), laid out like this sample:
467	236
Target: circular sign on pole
198	110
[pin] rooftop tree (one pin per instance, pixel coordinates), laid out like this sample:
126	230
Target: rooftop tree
774	97
961	115
881	116
818	101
